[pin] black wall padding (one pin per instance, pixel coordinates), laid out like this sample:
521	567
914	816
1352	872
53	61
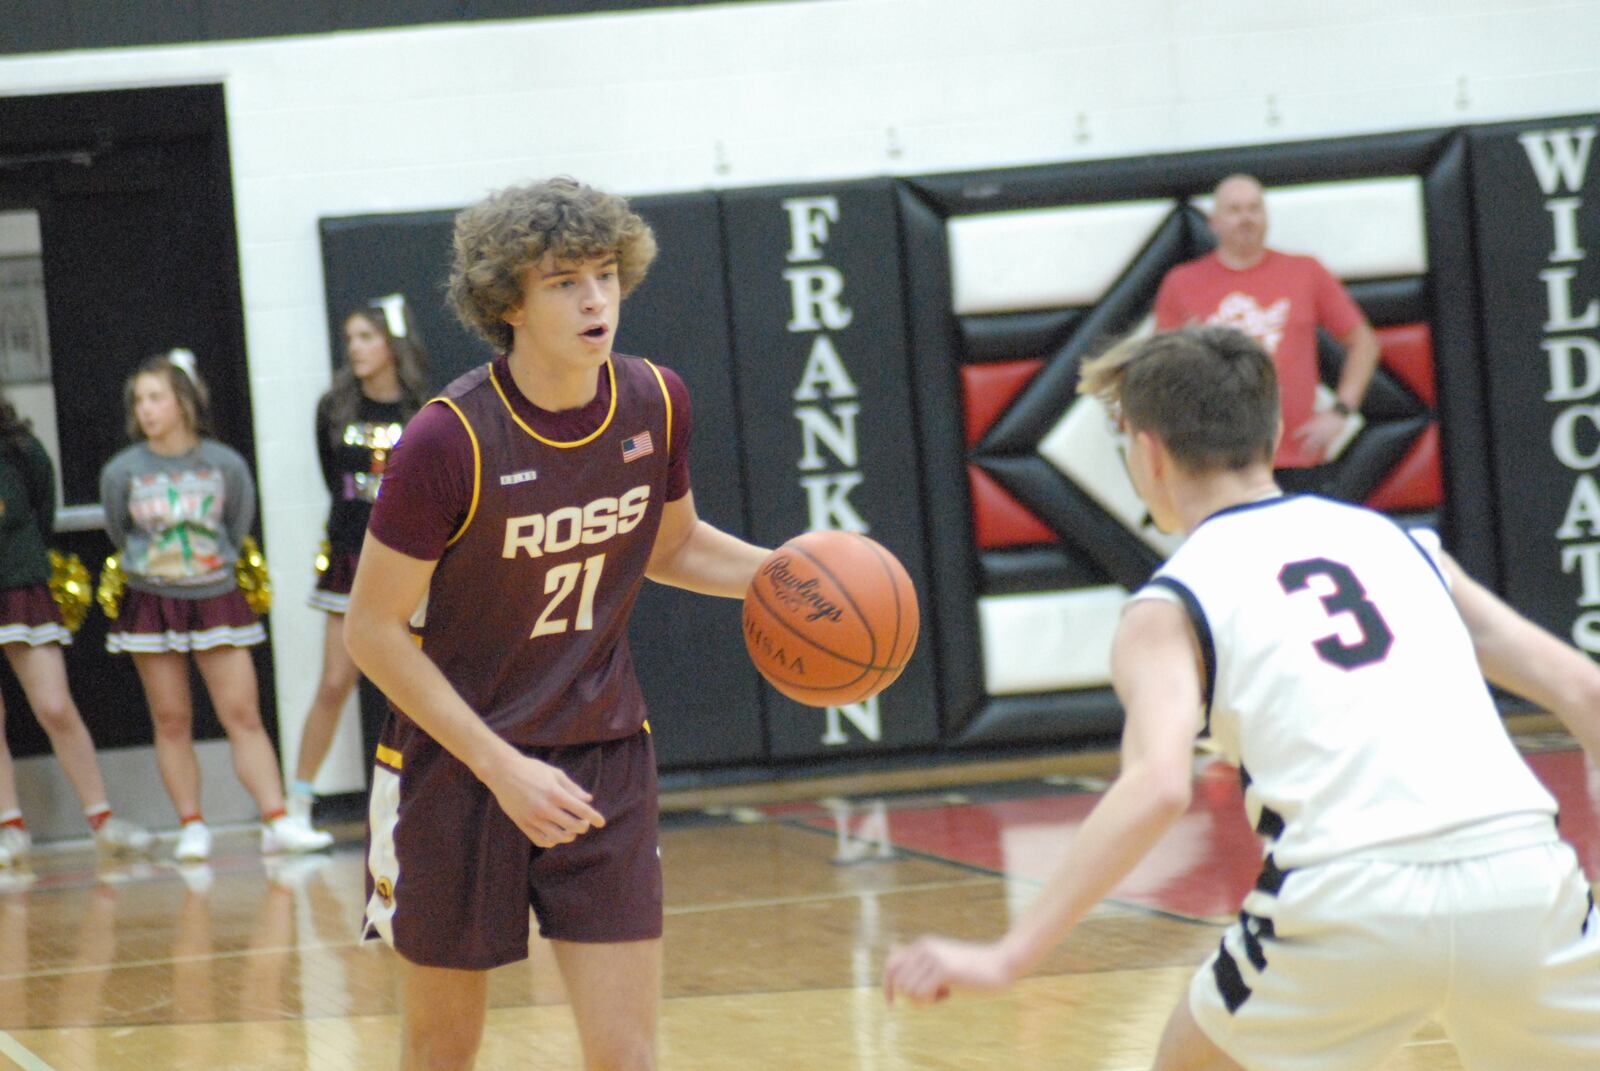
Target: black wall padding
775	342
1088	529
1392	301
1025	570
1518	249
935	353
1179	174
704	695
1387	397
1197	237
1377	450
1012	336
1468	517
408	253
1047	717
1049	394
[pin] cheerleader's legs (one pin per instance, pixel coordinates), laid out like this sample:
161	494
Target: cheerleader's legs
338	678
165	676
230	678
42	672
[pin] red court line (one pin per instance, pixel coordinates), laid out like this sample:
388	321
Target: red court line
1204	865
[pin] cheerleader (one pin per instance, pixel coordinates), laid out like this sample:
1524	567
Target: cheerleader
32	633
358	423
178	507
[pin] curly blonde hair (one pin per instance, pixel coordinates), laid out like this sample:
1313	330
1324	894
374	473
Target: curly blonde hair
498	239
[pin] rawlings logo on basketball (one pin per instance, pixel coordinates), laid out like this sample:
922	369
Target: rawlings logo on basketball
796	593
830	618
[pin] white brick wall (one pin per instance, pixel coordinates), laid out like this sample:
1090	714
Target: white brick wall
768	93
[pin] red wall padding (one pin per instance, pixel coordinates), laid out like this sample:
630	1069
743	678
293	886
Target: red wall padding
998	520
1415	483
987	389
1408	353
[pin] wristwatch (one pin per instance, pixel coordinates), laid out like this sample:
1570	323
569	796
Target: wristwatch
1340	408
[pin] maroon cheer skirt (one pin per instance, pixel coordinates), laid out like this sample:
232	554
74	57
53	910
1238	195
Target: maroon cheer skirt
29	615
332	592
151	624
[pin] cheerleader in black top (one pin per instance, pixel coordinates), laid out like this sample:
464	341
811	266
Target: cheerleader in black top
358	423
32	633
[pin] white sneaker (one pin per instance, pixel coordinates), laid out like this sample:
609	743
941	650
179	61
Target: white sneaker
293	835
118	836
194	844
15	844
299	807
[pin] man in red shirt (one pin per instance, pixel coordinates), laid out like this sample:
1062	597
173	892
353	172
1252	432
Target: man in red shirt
1280	300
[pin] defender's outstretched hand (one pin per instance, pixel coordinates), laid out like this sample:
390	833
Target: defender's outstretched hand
926	971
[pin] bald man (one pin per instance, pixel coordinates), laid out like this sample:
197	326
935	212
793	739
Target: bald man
1279	299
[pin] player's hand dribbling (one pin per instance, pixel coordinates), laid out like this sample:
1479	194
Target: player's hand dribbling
926	971
544	802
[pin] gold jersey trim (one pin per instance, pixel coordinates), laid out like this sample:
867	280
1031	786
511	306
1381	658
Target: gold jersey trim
611	374
666	397
390	757
477	469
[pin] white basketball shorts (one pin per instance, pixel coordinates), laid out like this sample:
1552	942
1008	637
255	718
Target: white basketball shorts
1338	965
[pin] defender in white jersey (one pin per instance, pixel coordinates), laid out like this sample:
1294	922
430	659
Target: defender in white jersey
1412	868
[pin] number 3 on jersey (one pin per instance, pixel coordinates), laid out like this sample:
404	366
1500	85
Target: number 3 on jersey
1348	597
559	583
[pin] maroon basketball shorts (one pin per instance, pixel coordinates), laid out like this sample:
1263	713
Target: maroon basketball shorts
451	879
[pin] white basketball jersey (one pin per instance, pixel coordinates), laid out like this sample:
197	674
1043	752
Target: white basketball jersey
1343	683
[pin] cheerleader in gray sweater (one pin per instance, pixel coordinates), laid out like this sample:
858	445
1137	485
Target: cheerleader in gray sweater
178	507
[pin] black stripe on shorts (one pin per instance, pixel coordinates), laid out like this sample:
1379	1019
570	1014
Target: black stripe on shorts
1230	983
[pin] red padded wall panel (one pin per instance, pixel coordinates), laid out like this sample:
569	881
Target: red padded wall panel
986	390
998	520
1408	353
1415	483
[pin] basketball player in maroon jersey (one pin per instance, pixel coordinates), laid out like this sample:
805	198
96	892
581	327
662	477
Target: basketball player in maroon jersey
517	519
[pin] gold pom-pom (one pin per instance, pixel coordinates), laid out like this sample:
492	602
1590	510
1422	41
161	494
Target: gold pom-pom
254	580
324	557
69	587
113	581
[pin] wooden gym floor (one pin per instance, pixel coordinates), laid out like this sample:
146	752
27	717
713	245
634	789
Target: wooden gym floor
780	907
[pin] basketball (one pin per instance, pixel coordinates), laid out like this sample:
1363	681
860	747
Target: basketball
831	618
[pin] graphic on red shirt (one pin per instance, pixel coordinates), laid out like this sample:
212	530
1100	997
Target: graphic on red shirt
1265	325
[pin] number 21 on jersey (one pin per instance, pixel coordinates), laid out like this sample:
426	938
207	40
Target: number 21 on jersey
559	583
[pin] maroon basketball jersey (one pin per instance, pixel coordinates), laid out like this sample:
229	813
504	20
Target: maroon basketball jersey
527	612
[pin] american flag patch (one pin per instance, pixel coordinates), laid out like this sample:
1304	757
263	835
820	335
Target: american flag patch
636	446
